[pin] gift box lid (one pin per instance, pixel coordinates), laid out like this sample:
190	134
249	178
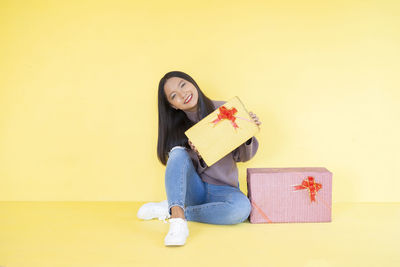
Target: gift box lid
283	170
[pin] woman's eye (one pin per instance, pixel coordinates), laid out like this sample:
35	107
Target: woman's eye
173	96
183	84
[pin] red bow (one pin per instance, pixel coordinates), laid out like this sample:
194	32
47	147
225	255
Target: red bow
226	114
309	184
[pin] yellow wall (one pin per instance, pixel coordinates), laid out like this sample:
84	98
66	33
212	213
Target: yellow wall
78	90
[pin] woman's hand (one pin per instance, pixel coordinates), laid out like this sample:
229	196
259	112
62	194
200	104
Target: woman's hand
255	118
194	148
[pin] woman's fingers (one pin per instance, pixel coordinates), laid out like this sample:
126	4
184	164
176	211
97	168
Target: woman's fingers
254	117
194	148
197	152
191	144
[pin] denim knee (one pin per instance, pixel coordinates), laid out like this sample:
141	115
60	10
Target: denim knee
179	152
246	209
242	210
177	147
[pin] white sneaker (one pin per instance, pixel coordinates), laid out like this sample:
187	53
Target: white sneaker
153	210
178	232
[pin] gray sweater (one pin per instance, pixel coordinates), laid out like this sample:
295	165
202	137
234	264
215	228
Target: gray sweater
224	171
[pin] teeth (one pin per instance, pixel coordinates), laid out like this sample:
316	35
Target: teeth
188	98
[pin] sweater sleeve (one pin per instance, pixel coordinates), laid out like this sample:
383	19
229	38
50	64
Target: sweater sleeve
246	151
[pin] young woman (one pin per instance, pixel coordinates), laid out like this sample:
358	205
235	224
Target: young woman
195	191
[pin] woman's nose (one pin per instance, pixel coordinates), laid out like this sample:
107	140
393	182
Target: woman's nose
182	95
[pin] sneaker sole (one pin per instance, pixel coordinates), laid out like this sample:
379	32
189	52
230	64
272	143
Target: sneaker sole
145	218
174	244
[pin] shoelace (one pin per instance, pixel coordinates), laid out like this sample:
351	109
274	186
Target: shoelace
176	227
163	218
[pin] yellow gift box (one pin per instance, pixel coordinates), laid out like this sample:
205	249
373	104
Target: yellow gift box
222	131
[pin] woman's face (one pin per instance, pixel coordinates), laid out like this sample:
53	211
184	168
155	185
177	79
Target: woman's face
181	94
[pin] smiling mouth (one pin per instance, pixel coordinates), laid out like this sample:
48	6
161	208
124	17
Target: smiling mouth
187	100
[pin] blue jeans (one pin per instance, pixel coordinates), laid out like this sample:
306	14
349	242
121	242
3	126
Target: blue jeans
201	201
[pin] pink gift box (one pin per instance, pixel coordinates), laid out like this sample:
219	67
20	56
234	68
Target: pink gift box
284	195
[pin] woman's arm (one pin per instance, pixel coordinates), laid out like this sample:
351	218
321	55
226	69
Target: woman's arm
246	151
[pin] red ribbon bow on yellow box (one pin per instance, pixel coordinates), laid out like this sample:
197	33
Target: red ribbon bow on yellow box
227	114
311	185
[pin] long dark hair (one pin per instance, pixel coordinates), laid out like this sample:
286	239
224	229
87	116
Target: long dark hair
172	123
